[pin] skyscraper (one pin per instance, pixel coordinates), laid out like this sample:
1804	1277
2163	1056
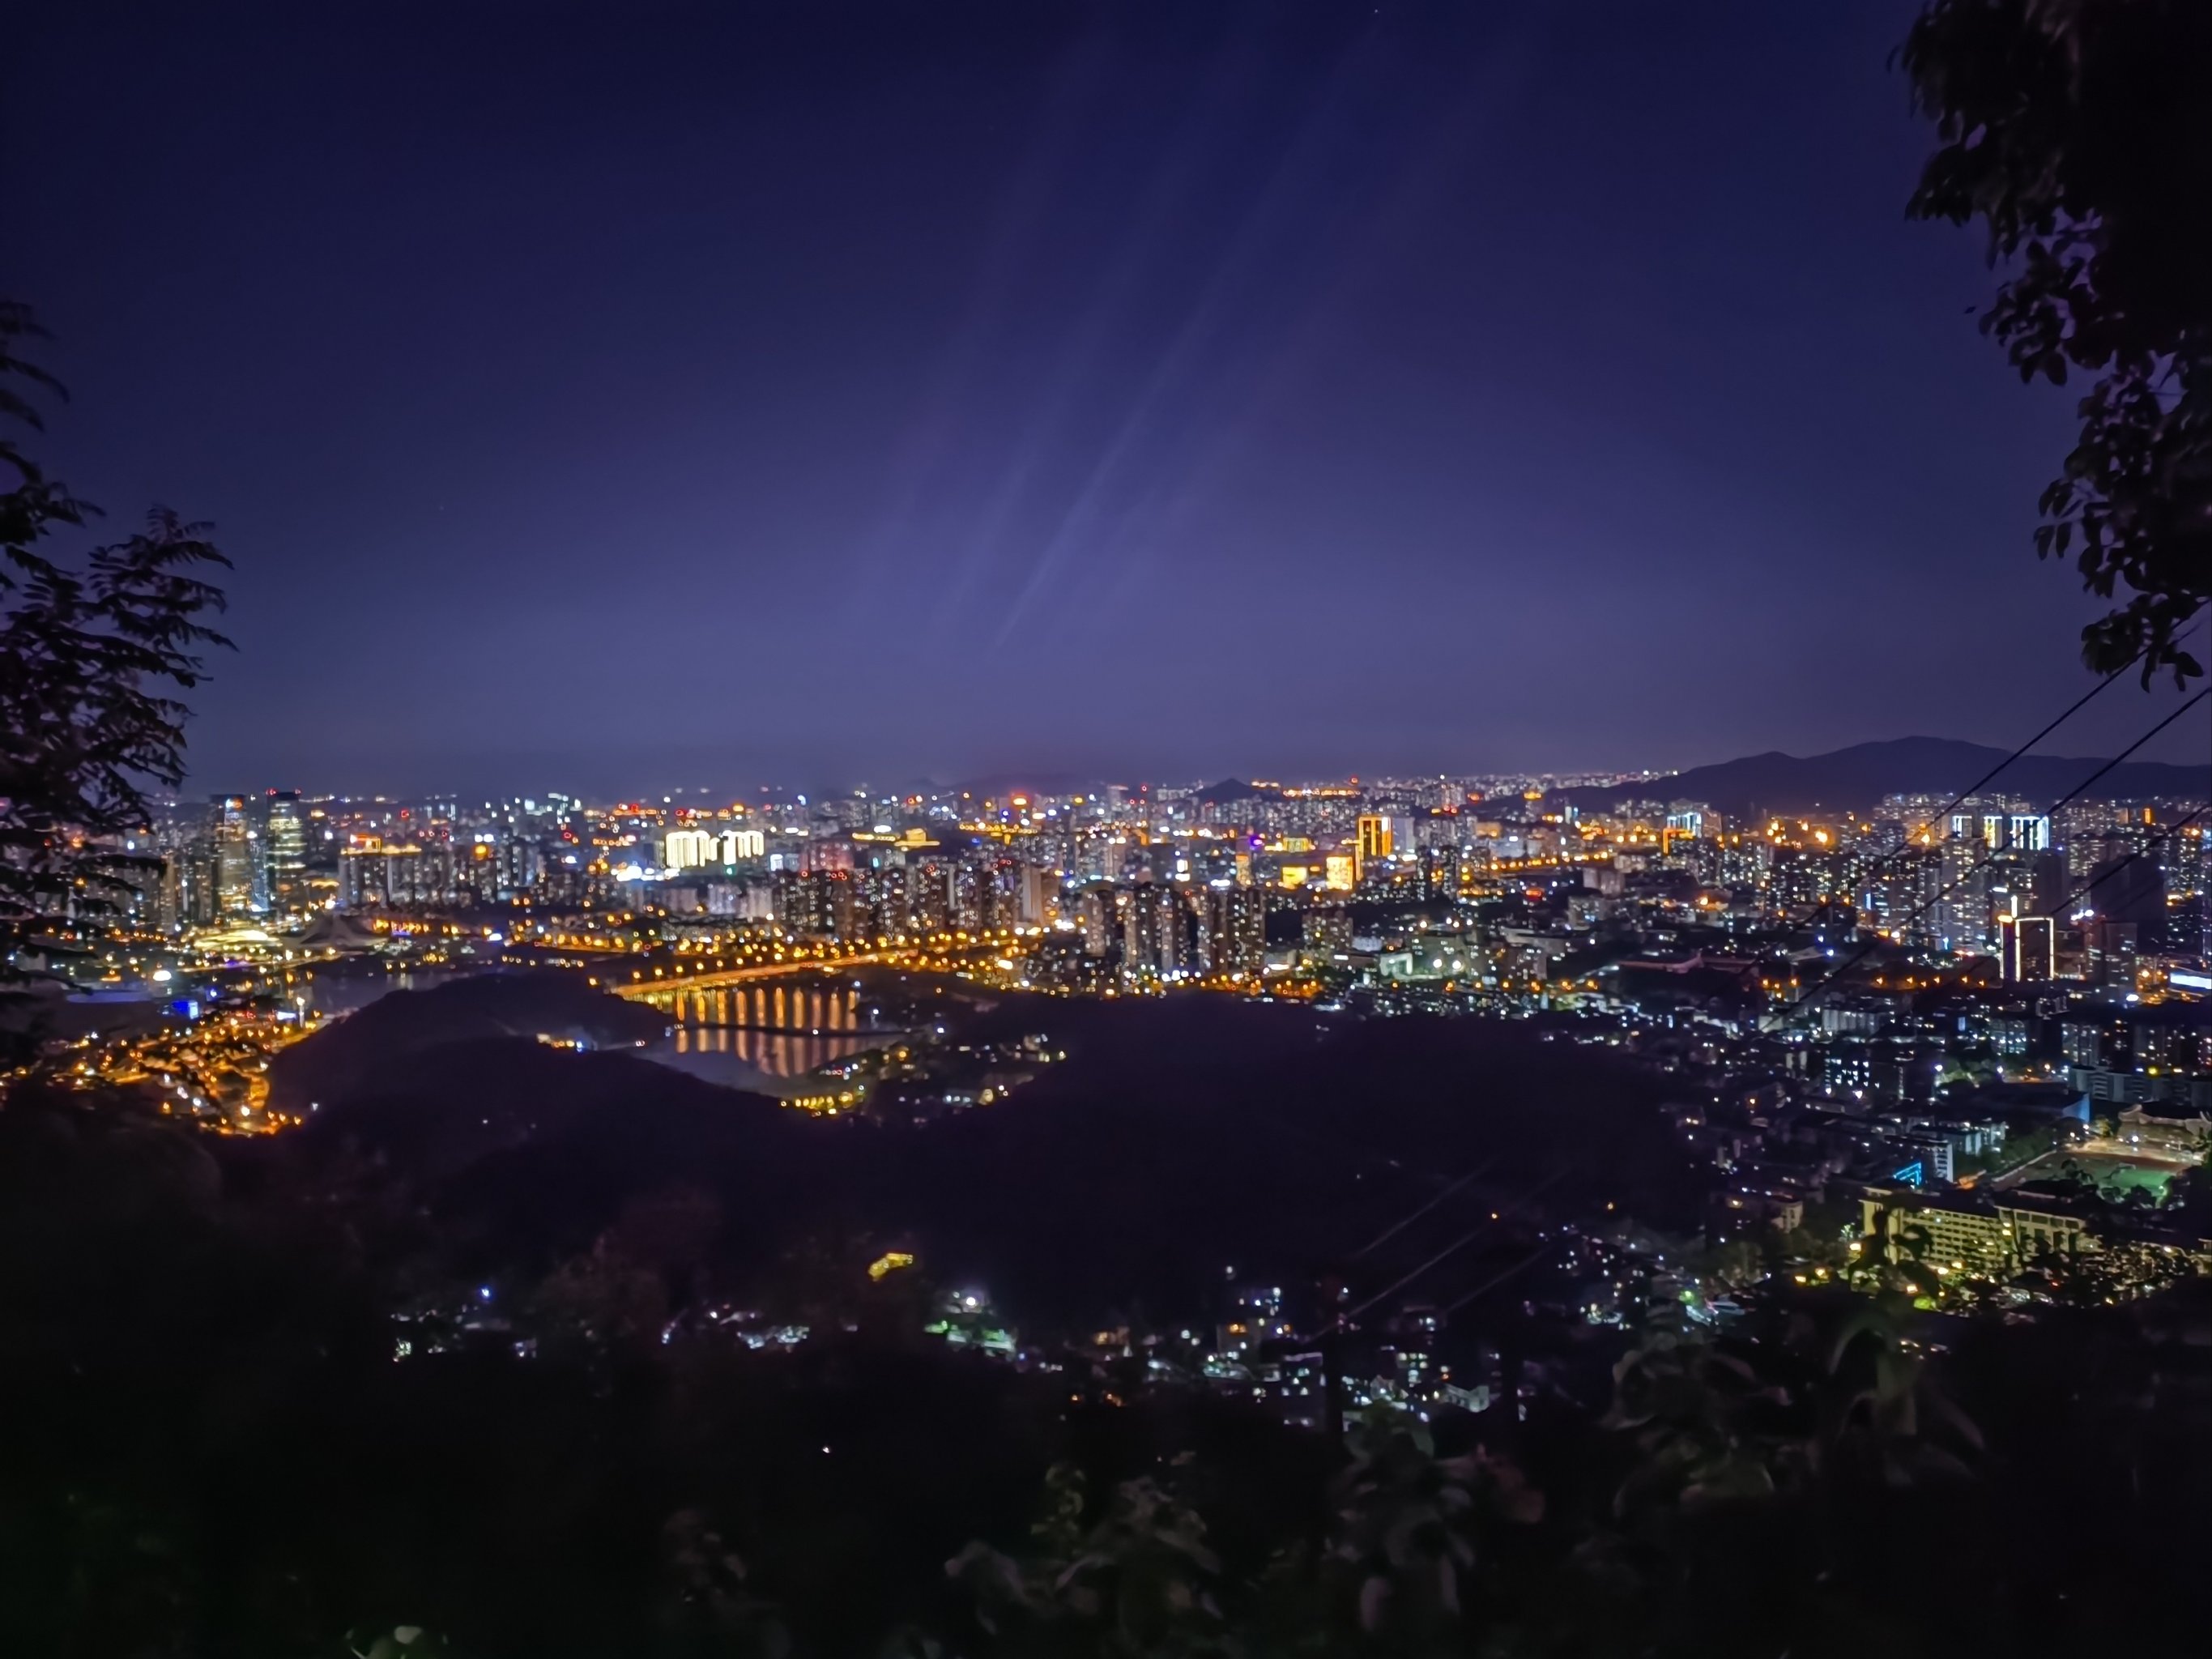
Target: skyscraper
2131	890
1236	931
689	849
285	857
1038	891
241	882
1376	839
1962	916
1156	937
1100	916
739	844
2031	949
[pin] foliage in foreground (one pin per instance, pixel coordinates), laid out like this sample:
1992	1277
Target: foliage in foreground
92	646
2074	130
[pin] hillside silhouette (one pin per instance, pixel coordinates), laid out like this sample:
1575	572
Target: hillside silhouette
1857	778
349	1056
1180	1137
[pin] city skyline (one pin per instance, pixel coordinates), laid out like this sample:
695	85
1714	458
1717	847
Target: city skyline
1951	869
2185	775
1037	829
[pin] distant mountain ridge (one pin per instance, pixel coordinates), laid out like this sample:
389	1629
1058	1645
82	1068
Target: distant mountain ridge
1232	789
1854	779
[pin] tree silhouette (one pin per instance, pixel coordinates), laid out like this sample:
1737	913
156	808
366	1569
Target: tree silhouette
2075	132
1139	1579
90	648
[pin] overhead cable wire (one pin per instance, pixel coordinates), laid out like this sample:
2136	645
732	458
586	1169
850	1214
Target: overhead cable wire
1411	1217
1982	781
1457	1244
2072	709
1493	1282
1982	863
2164	835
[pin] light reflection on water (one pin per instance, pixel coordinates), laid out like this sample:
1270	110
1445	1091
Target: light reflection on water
773	1027
736	1036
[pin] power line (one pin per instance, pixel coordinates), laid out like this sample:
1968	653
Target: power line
1493	1282
1982	781
2081	787
1457	1244
2088	887
1987	858
2097	881
1462	1181
2072	709
1968	793
1411	1217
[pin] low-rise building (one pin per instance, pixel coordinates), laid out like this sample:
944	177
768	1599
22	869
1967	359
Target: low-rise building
1987	1233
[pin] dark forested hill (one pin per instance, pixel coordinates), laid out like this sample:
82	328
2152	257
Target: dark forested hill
1179	1137
349	1056
1853	779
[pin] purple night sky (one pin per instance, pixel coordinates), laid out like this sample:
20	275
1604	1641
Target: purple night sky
641	396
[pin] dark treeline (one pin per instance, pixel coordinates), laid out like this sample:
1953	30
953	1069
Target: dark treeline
211	1449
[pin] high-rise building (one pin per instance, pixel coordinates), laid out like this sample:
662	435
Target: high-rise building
1962	916
690	849
1327	931
521	867
826	853
475	871
1375	838
2031	949
360	876
380	873
840	905
166	893
1439	872
794	912
1038	890
2115	948
883	905
408	876
930	891
284	823
198	902
239	879
1156	935
1237	930
2129	889
1100	915
819	903
975	891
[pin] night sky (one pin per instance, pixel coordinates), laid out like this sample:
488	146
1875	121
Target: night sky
639	397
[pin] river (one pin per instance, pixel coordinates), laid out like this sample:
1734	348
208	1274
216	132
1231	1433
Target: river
778	1027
